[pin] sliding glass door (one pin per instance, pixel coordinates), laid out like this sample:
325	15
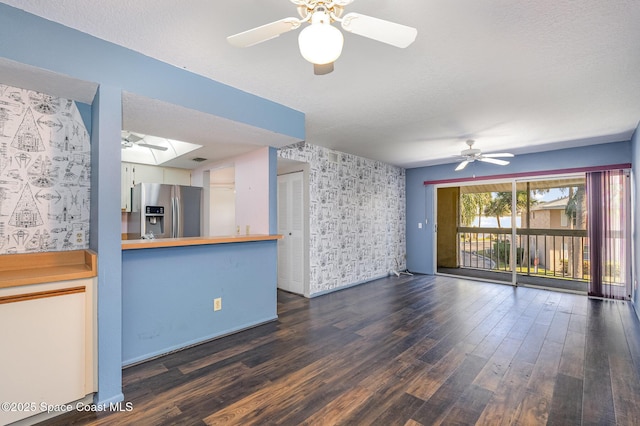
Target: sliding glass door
522	231
569	232
552	243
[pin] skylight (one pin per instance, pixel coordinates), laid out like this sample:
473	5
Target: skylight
152	150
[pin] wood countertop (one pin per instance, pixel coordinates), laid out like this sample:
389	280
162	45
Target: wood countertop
194	241
38	268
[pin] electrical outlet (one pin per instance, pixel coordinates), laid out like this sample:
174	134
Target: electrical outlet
217	304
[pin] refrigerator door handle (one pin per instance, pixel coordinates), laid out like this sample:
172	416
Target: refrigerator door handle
174	214
177	220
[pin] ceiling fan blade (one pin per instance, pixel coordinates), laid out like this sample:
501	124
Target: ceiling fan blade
335	2
342	2
150	146
132	137
493	161
499	155
462	165
378	29
323	68
263	33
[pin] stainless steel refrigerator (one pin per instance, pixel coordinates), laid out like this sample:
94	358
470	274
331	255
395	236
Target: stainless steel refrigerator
165	211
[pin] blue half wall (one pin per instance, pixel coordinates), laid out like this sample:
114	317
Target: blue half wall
168	293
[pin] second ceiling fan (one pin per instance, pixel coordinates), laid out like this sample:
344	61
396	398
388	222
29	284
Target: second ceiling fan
321	43
472	154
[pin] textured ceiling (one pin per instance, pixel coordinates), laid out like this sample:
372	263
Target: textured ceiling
519	76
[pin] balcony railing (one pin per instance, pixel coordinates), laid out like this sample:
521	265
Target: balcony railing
550	253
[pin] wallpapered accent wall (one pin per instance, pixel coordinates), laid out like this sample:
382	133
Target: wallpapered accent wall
357	216
44	173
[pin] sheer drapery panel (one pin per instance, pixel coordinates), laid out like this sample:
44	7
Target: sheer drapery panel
609	231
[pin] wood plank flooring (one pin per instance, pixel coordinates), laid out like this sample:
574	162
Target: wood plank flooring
417	350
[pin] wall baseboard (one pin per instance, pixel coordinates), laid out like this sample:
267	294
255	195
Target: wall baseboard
344	287
187	345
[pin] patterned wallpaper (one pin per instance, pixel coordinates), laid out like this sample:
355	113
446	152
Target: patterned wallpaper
357	216
44	173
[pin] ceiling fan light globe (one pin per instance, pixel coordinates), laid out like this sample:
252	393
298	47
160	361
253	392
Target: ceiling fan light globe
320	43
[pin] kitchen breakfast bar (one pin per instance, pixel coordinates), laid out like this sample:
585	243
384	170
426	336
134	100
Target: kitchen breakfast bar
169	286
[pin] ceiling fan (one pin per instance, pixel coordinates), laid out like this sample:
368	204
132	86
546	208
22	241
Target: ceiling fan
129	139
472	154
321	43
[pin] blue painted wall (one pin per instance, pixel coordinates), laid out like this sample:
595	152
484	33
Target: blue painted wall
635	208
420	207
34	41
85	113
168	294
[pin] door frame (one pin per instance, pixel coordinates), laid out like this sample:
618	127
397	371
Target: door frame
513	220
450	227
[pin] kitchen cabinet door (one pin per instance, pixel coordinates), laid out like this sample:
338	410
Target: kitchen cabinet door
147	174
48	349
175	176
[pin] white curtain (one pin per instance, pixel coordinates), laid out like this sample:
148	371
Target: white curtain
609	234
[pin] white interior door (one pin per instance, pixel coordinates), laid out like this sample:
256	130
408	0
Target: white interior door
291	226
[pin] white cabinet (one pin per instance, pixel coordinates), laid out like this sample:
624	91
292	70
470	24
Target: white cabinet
177	176
147	174
133	174
48	340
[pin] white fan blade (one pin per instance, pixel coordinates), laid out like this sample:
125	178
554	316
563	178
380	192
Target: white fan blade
263	33
379	29
498	155
132	137
335	2
150	146
462	165
493	161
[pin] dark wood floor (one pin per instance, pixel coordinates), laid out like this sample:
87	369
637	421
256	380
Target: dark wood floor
408	351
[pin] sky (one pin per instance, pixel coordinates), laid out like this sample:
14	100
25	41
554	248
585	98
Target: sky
492	222
552	195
